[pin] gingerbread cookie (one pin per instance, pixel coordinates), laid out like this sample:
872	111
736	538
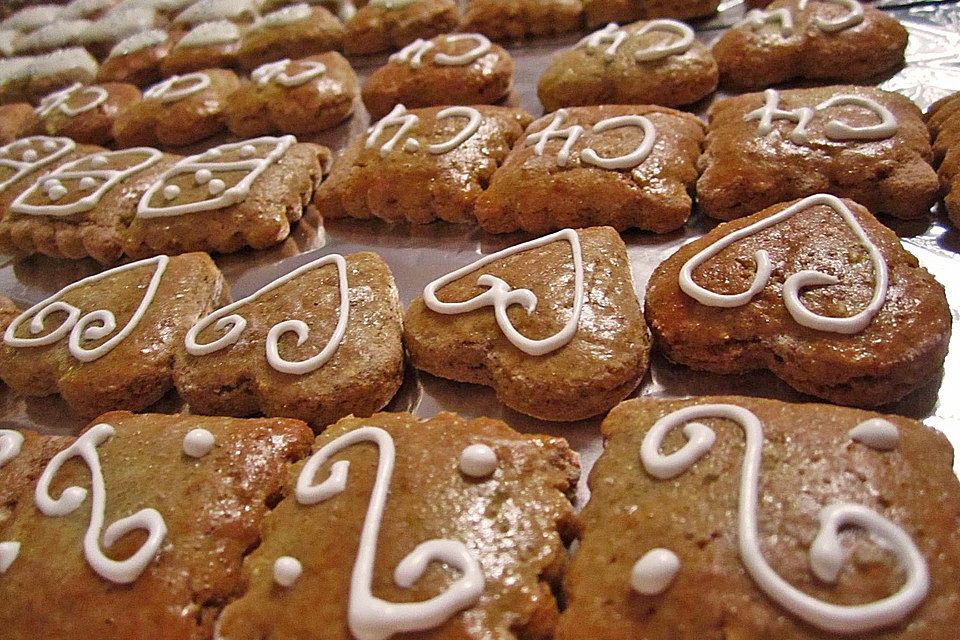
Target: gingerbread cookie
104	33
86	113
810	39
178	111
17	120
57	70
293	32
746	518
385	25
299	97
349	361
436	571
854	142
64	33
242	194
817	291
657	62
599	12
943	119
238	11
517	19
623	166
564	338
209	45
81	208
158	514
88	9
136	59
15	79
23	161
33	17
111	339
455	150
463	68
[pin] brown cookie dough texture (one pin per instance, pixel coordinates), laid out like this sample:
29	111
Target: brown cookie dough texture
16	121
512	521
151	314
178	111
599	366
517	19
363	371
136	59
86	113
463	68
385	25
211	506
403	170
42	75
292	32
19	471
240	194
746	168
809	463
209	45
649	62
24	161
81	208
8	311
822	41
901	348
300	97
943	119
601	12
547	183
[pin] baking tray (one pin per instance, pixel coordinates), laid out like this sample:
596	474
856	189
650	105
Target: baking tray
418	254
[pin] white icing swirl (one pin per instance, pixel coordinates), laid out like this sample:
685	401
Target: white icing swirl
138	42
91	326
8	553
572	134
798	281
23	157
404	121
756	18
771	111
149	520
209	34
473	125
235	324
853	17
178	87
253	166
398	117
876	433
826	553
657	52
10	444
369	617
198	442
654	572
834	129
478	461
277	72
413	53
501	296
283	17
286	571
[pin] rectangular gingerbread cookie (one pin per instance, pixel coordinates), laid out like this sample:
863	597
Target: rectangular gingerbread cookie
138	528
622	166
735	517
861	143
428	528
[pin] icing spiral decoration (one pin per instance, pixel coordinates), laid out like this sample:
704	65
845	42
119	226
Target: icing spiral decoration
178	87
826	553
795	283
149	520
570	135
277	72
404	121
226	319
756	18
834	129
413	53
369	617
501	295
613	36
94	325
853	17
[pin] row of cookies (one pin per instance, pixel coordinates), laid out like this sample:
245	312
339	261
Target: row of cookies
944	123
840	523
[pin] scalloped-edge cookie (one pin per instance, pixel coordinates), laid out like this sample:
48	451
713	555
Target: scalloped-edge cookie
600	12
943	119
517	19
387	25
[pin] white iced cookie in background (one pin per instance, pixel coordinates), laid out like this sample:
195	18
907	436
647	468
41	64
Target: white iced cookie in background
32	17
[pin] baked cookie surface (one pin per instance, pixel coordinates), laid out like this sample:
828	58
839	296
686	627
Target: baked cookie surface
136	59
943	119
385	25
569	341
622	166
209	45
148	306
861	143
840	517
810	39
296	31
599	12
17	120
518	19
350	361
189	494
312	576
463	68
454	150
86	113
42	75
649	62
294	96
853	320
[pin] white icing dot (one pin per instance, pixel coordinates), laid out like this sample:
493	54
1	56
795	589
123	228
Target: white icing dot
8	553
88	182
197	443
49	145
876	433
286	571
171	191
247	150
653	573
29	155
50	183
478	461
202	176
99	160
56	192
411	145
216	187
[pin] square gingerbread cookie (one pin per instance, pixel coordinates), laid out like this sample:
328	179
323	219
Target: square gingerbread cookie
517	19
552	324
622	166
388	25
150	514
108	341
861	143
427	528
319	343
735	517
454	150
85	114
